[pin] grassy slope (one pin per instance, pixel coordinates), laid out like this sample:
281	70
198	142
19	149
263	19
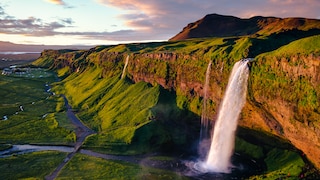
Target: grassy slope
124	114
304	46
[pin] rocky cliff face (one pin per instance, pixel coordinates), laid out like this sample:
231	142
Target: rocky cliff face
291	110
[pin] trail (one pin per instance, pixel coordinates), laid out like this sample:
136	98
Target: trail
82	132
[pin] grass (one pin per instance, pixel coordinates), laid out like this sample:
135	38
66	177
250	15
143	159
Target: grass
87	167
30	166
5	146
63	72
106	105
130	117
282	164
281	159
37	121
304	46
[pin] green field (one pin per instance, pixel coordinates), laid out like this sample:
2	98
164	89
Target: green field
35	165
33	115
87	167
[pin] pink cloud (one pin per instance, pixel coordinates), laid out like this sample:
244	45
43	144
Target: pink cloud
57	2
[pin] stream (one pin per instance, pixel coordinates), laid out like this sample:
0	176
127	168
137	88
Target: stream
26	148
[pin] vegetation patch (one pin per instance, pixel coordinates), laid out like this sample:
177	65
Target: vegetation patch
34	165
29	108
87	167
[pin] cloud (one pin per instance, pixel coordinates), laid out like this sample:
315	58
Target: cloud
32	26
67	21
36	27
57	2
60	3
2	11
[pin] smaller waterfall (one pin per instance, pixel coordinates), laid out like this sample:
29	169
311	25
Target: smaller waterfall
205	121
125	67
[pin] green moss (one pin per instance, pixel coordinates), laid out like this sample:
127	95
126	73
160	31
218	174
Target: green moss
283	164
248	149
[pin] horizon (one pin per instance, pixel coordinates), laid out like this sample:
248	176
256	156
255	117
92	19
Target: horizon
111	22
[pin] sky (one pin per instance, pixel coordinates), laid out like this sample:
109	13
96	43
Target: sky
104	22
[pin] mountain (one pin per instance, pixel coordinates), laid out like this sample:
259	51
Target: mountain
11	47
215	25
158	104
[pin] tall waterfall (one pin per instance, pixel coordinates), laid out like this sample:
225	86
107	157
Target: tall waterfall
223	138
125	67
205	121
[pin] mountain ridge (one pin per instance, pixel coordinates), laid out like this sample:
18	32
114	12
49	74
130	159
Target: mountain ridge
215	25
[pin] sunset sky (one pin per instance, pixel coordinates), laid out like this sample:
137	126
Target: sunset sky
94	22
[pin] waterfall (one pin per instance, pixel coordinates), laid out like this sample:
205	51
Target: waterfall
124	68
205	121
223	138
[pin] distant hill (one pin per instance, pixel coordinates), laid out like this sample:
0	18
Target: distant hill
215	25
13	54
11	47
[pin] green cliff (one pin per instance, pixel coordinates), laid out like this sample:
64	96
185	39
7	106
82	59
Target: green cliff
157	106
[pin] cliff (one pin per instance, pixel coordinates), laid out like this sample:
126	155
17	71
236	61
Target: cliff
284	84
159	102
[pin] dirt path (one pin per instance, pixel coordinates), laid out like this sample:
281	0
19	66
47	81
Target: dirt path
82	132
